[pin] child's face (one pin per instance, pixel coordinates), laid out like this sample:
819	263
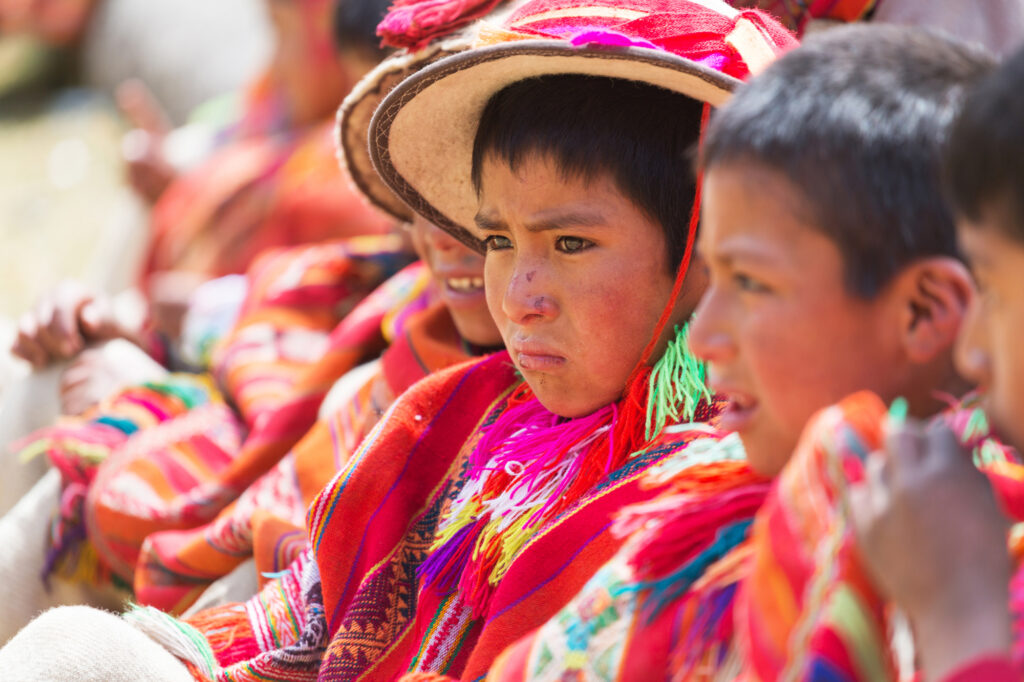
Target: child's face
576	278
780	333
458	274
990	349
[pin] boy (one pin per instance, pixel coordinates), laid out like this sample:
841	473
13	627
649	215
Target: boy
833	268
482	499
911	539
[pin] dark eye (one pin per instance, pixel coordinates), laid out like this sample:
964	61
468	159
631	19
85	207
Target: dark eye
749	284
496	242
573	244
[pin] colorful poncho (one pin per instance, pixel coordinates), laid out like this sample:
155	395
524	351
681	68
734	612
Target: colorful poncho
672	582
253	195
267	520
372	600
807	609
174	453
703	591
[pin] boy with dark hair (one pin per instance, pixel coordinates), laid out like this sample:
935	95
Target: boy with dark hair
833	269
928	526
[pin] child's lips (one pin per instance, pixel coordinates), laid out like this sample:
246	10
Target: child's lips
462	290
738	413
537	357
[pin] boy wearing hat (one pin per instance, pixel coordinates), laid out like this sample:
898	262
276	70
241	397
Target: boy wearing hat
833	268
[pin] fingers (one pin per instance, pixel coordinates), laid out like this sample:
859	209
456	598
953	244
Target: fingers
97	321
75	394
56	330
141	107
26	345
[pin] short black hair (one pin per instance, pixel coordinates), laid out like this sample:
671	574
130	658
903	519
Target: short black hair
355	25
640	134
856	119
985	157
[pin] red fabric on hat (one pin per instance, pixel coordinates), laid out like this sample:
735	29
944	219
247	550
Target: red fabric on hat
414	24
685	29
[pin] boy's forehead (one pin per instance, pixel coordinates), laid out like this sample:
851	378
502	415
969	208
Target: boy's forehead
754	215
750	210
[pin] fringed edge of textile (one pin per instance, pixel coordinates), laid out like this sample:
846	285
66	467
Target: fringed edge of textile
676	386
689	543
179	638
531	465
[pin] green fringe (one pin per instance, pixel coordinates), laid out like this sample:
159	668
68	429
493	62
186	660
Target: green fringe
676	386
178	637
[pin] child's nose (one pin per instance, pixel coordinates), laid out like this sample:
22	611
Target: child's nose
526	297
707	335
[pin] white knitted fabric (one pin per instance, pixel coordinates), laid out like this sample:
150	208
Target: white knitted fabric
82	644
23	535
29	401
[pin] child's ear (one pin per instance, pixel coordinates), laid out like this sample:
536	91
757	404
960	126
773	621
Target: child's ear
935	294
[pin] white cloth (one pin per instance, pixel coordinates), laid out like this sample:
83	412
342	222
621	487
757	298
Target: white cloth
186	51
29	401
23	537
82	644
239	585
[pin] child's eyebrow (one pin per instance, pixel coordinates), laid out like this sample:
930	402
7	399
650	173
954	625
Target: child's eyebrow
558	220
489	224
749	253
555	220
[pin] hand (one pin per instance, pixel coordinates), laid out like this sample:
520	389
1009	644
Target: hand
149	171
933	540
63	323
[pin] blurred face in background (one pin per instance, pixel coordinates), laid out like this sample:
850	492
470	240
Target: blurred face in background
458	275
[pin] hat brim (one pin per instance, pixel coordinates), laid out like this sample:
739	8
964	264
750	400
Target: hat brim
353	122
422	134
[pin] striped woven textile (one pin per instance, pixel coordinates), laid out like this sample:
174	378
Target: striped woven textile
267	520
725	578
806	610
364	613
163	464
662	607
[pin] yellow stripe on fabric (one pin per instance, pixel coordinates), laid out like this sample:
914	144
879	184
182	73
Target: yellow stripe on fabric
858	633
296	630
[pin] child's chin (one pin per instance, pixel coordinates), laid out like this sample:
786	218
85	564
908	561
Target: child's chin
766	456
566	404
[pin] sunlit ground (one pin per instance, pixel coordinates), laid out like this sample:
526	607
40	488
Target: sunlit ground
60	177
